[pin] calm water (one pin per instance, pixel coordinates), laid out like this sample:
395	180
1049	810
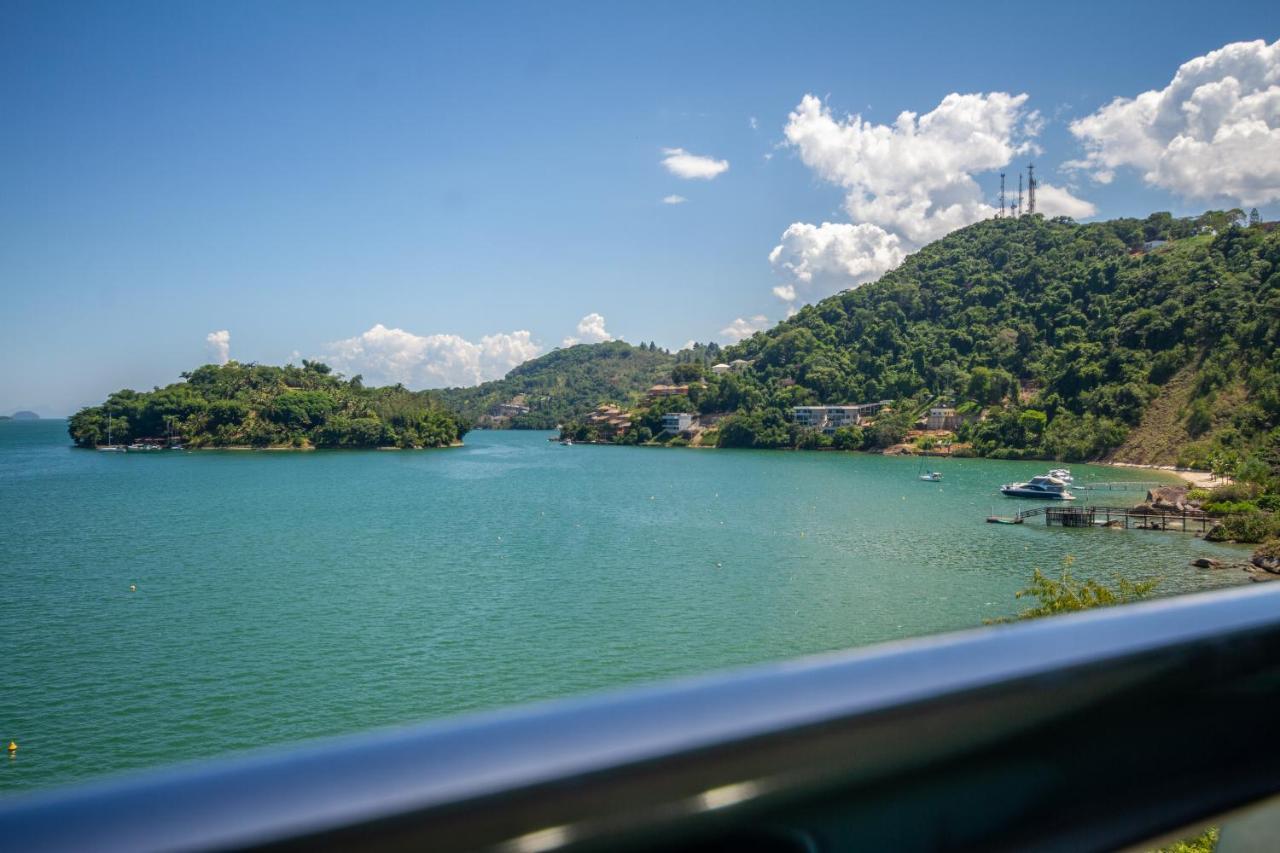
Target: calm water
283	596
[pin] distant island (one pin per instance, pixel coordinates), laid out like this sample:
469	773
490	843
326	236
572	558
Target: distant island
24	416
562	385
253	405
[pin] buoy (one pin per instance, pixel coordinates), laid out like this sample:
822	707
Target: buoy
13	747
133	587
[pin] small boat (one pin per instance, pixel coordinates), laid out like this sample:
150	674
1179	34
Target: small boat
932	476
567	442
1062	474
109	447
1044	487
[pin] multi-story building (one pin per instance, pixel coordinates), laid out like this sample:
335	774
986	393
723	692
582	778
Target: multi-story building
677	421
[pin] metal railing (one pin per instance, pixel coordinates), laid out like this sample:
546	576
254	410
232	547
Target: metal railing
1083	732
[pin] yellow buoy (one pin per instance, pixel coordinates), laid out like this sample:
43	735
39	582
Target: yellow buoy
13	747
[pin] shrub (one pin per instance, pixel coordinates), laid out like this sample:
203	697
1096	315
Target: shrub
1235	492
1198	495
1270	502
1229	507
1245	527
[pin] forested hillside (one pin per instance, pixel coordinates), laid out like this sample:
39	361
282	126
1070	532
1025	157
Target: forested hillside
1066	336
566	383
260	406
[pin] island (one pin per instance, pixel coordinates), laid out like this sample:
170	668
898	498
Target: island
237	405
25	416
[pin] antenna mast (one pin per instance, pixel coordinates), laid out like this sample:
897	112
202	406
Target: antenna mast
1031	189
1001	216
1019	194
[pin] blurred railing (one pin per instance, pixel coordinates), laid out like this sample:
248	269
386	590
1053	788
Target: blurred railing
1083	732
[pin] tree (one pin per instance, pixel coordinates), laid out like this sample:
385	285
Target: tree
687	372
1066	593
1254	217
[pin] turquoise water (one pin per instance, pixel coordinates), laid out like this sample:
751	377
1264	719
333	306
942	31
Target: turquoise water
283	596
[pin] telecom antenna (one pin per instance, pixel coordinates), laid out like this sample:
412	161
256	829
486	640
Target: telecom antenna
1019	194
1001	216
1031	189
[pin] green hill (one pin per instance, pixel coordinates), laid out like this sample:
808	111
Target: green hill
1074	341
566	383
260	406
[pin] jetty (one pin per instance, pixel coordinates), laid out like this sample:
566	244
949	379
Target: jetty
1127	518
1118	486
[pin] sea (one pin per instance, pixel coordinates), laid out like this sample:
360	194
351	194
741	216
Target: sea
168	606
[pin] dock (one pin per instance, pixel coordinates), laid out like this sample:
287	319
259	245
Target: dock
1118	486
1128	518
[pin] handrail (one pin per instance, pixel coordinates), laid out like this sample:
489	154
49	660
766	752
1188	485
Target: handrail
1081	732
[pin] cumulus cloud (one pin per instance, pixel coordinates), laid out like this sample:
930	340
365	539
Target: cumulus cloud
914	177
385	355
1213	132
819	260
753	123
591	330
745	327
683	164
220	344
674	199
1055	201
906	184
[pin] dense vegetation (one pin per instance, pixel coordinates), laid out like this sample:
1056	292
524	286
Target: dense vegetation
259	406
567	383
1061	335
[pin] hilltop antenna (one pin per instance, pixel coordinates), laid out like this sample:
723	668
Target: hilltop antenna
1019	194
1001	216
1031	189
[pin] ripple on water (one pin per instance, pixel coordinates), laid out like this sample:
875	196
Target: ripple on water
288	596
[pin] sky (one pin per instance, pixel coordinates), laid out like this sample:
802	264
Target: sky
433	193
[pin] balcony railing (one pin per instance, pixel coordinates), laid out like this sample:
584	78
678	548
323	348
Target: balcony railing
1083	732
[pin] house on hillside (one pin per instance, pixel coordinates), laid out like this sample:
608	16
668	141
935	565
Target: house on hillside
676	422
720	369
658	391
942	417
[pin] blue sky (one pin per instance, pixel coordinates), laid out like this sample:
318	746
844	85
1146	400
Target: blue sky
298	174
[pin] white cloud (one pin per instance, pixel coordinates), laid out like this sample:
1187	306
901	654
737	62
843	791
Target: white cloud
753	123
591	330
745	327
906	184
385	355
823	259
914	177
674	199
683	164
1056	201
1213	132
220	343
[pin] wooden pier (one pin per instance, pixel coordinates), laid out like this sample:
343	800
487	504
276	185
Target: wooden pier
1128	518
1118	486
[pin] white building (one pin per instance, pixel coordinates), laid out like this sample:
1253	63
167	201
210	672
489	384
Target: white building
942	417
677	421
831	418
720	369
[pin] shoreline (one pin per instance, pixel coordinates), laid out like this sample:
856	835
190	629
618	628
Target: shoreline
1197	479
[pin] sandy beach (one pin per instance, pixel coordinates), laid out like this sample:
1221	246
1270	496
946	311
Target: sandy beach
1197	479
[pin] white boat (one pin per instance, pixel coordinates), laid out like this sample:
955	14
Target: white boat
1062	474
1044	487
931	477
109	447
